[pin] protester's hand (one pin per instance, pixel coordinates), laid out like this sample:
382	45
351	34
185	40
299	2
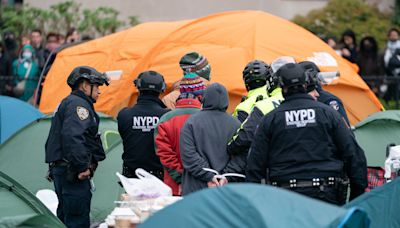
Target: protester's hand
180	189
8	88
214	182
345	52
84	175
223	181
211	184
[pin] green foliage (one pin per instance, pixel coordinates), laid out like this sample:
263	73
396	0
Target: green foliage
64	16
60	18
396	17
21	21
339	15
102	20
133	20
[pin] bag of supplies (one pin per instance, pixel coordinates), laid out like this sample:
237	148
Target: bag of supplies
146	186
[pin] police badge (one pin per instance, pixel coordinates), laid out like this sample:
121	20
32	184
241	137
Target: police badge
334	105
82	112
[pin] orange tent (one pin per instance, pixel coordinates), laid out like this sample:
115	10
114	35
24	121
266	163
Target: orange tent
229	40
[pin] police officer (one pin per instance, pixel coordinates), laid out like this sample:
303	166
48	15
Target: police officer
305	146
325	96
241	141
255	78
74	148
136	126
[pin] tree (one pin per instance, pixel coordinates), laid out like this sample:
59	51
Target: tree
339	15
22	20
133	20
64	16
103	20
60	18
396	13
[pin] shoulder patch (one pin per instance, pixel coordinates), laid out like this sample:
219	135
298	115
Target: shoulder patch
82	112
334	104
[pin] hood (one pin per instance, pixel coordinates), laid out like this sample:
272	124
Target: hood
25	47
28	46
215	97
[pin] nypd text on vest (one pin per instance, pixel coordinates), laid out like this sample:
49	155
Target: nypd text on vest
300	118
145	123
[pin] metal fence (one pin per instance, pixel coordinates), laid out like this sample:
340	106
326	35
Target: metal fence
391	83
375	83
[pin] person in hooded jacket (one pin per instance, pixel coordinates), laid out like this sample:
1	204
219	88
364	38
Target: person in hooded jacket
203	142
26	73
167	133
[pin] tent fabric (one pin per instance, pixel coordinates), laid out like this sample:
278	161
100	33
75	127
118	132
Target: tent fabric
22	158
18	205
31	221
377	131
14	115
381	204
229	40
252	205
119	51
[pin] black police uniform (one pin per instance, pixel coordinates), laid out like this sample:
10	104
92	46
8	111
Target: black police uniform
136	126
303	140
324	96
333	101
72	147
241	141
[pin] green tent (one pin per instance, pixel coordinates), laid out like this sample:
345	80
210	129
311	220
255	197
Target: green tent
252	205
382	204
22	158
19	208
106	182
375	133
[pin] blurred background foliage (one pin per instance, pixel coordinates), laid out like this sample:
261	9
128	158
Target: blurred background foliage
337	16
59	18
362	18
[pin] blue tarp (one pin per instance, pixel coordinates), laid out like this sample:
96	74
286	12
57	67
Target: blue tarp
252	205
14	115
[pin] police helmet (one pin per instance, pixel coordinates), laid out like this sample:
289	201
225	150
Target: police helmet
151	81
308	65
291	75
312	71
256	73
86	72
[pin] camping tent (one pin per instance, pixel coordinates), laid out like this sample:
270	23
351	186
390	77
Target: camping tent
375	133
381	204
14	115
18	206
229	40
251	205
22	158
108	189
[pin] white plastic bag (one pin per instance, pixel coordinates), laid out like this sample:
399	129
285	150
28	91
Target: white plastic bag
145	187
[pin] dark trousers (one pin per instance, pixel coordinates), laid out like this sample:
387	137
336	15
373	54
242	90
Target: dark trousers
73	199
327	194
